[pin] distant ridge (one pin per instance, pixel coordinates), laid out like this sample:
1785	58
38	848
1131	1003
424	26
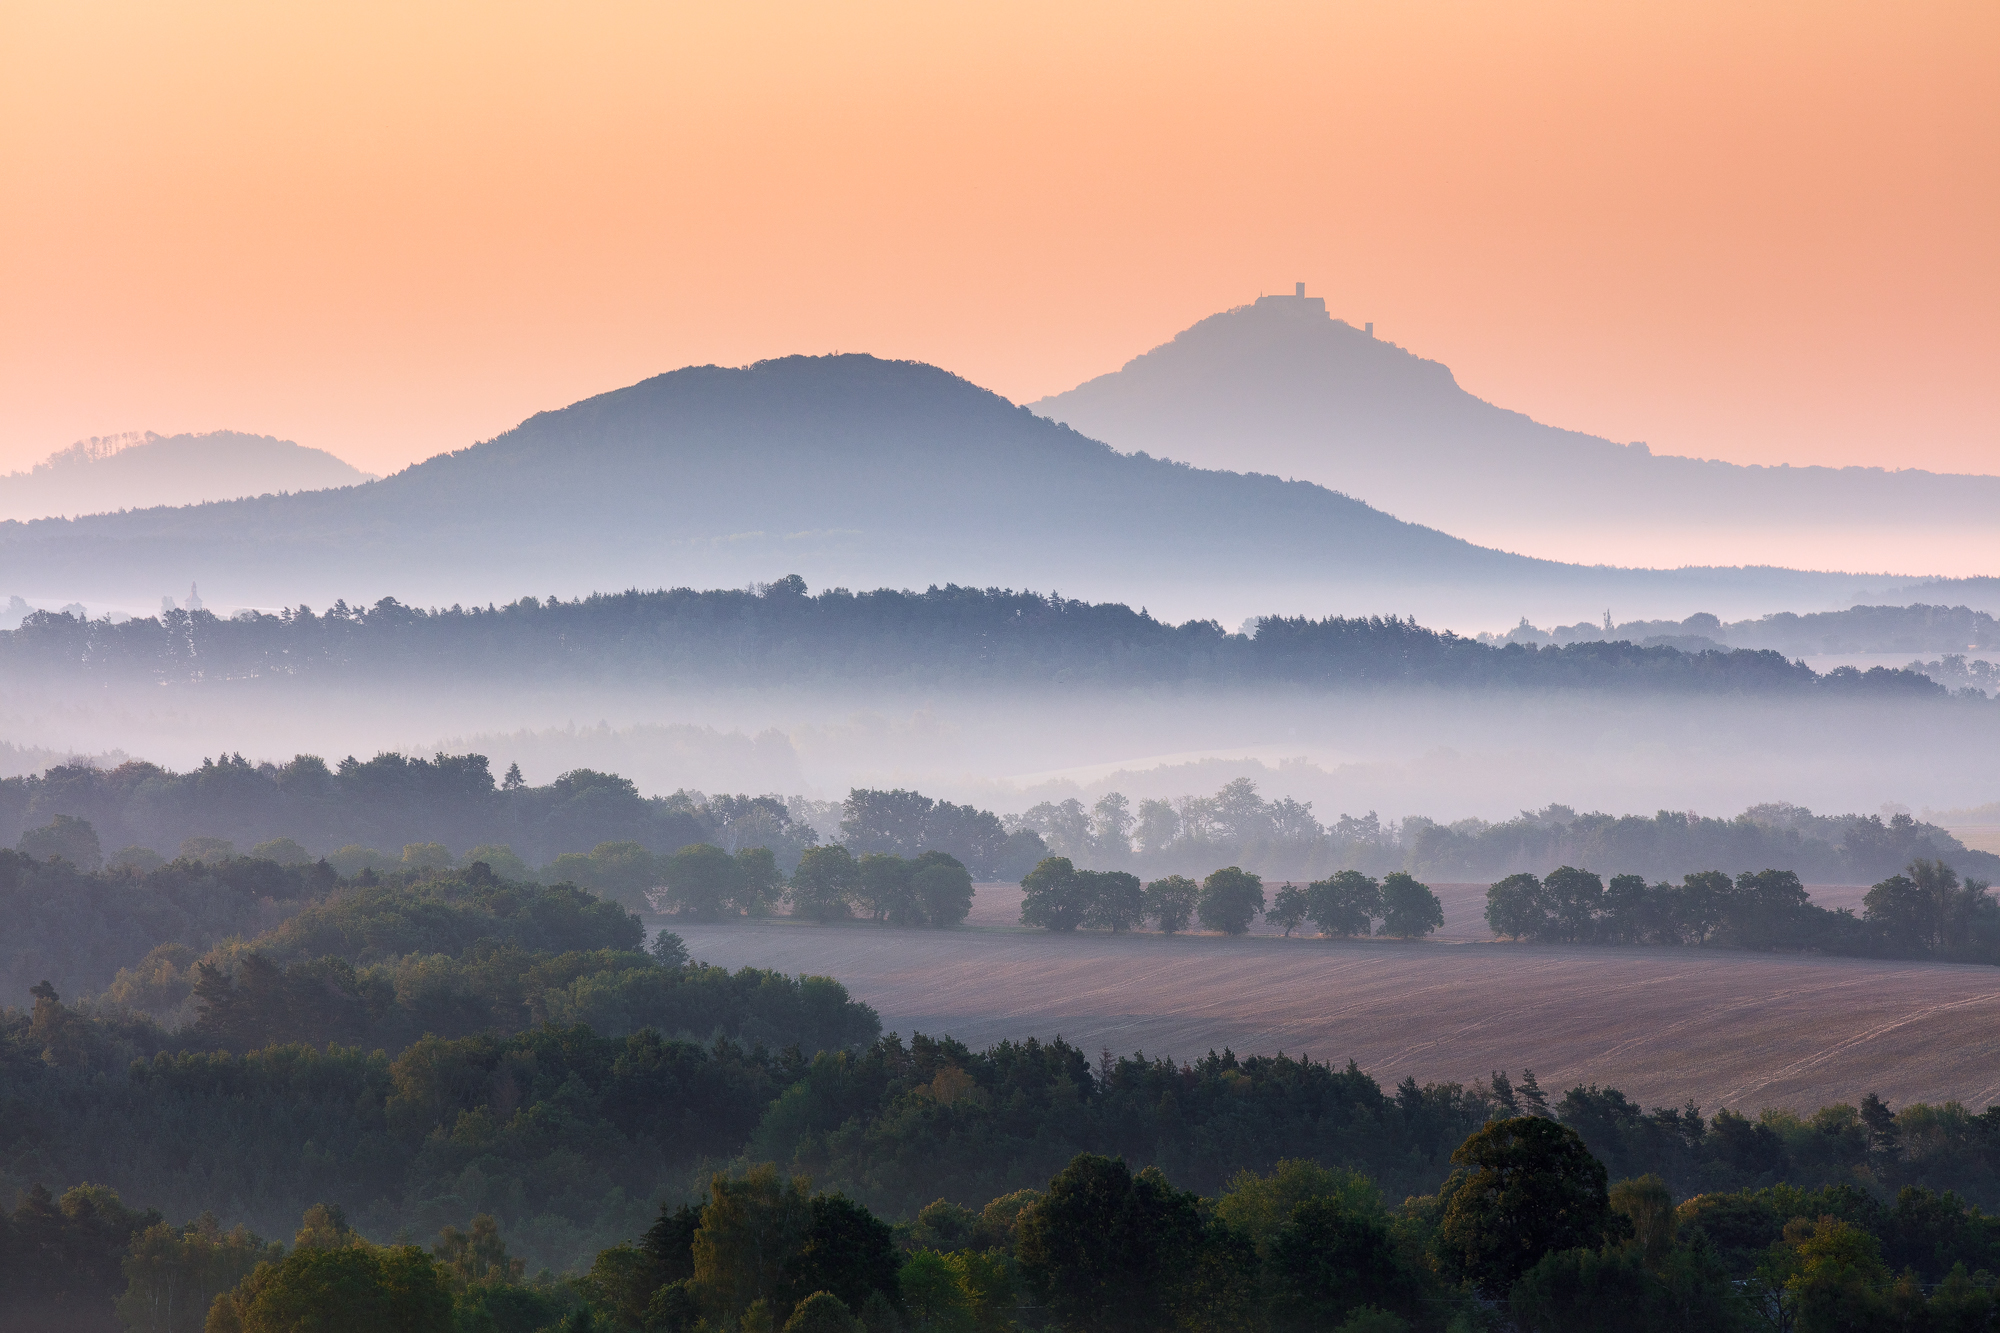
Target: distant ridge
853	471
1281	386
141	470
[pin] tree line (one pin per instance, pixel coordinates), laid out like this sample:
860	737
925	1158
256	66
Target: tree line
452	810
780	632
1283	838
1057	896
1926	911
1526	1230
141	815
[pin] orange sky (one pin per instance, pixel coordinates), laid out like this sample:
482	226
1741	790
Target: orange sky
1757	232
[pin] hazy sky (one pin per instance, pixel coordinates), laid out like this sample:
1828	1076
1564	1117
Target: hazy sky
1756	232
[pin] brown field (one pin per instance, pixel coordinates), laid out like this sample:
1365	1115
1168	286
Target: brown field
1726	1029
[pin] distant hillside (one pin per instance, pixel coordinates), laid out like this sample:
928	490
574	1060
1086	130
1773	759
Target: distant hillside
1282	387
135	471
853	471
1859	629
781	634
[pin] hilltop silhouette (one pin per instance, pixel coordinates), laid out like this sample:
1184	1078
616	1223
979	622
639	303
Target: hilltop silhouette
1281	386
141	471
854	471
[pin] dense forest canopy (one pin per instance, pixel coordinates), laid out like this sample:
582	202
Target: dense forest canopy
559	1144
782	633
416	1053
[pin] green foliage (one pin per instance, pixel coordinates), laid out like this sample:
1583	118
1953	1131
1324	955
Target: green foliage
390	801
206	850
1230	900
1585	1290
1925	913
77	930
1409	909
760	883
750	1228
144	860
1327	1260
1648	1206
620	1285
317	1290
625	872
1514	908
72	839
1117	899
909	825
1525	1187
1345	904
287	852
822	1312
882	889
846	1250
422	856
702	881
824	885
61	1259
558	1132
942	887
934	1295
1104	1249
172	1275
478	1255
1572	899
1289	909
1259	1206
501	860
1170	903
1052	896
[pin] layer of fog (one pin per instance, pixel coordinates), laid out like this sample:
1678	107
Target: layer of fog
1437	753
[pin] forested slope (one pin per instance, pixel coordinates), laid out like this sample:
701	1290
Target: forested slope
782	633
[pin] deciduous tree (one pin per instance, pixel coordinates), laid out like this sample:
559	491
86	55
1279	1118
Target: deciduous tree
942	888
1052	896
1347	903
1231	898
823	885
1170	903
1409	909
1524	1187
1514	908
1117	899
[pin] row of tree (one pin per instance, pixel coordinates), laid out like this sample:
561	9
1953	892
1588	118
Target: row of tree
1925	912
949	634
1058	896
1282	837
453	809
138	814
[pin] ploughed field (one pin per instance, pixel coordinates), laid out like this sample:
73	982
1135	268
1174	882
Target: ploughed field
1663	1025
